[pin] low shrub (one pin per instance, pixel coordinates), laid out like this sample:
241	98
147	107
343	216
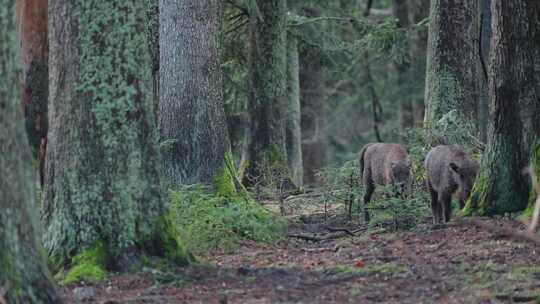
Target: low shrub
208	222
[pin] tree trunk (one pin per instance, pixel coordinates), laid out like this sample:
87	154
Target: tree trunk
530	104
192	114
32	24
400	11
485	38
294	132
501	187
452	60
418	11
153	45
102	173
24	277
314	116
267	155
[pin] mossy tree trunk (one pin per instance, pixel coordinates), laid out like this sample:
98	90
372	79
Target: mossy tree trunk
400	11
102	182
24	277
267	154
293	127
418	11
452	61
501	187
192	113
32	25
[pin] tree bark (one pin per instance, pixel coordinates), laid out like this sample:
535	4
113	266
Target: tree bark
418	11
32	25
267	155
452	60
530	104
501	187
153	45
192	114
102	172
293	128
485	40
24	277
400	11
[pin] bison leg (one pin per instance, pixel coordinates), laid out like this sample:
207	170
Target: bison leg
446	203
434	203
367	198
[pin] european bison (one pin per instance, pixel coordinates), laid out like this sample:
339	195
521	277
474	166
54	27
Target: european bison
384	164
449	170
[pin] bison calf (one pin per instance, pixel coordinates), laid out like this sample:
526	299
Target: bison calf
449	171
384	164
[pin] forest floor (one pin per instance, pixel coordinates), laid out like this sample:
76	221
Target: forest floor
455	263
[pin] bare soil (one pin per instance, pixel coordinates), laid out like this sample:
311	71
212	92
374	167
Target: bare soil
455	263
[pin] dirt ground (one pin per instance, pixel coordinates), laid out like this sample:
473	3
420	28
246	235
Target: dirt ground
455	263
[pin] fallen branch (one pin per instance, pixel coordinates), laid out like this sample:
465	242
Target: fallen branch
347	231
516	298
504	231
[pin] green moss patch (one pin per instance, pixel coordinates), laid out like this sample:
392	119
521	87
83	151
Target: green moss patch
88	266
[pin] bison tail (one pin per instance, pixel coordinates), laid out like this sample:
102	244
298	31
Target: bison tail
361	158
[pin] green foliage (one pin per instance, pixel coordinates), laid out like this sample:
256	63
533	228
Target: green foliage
88	266
206	221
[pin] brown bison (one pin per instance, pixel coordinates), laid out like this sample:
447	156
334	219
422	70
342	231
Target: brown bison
384	164
449	170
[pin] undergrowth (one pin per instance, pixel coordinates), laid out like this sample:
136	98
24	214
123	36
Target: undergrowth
208	222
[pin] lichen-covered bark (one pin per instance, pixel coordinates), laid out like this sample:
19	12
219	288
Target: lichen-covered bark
32	25
24	277
452	60
267	89
501	187
192	115
293	127
418	11
102	170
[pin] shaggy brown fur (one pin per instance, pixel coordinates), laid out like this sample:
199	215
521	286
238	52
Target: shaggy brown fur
449	171
384	164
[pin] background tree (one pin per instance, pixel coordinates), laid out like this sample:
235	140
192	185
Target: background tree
266	147
32	25
24	276
400	11
192	117
102	185
452	61
293	112
418	12
501	187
